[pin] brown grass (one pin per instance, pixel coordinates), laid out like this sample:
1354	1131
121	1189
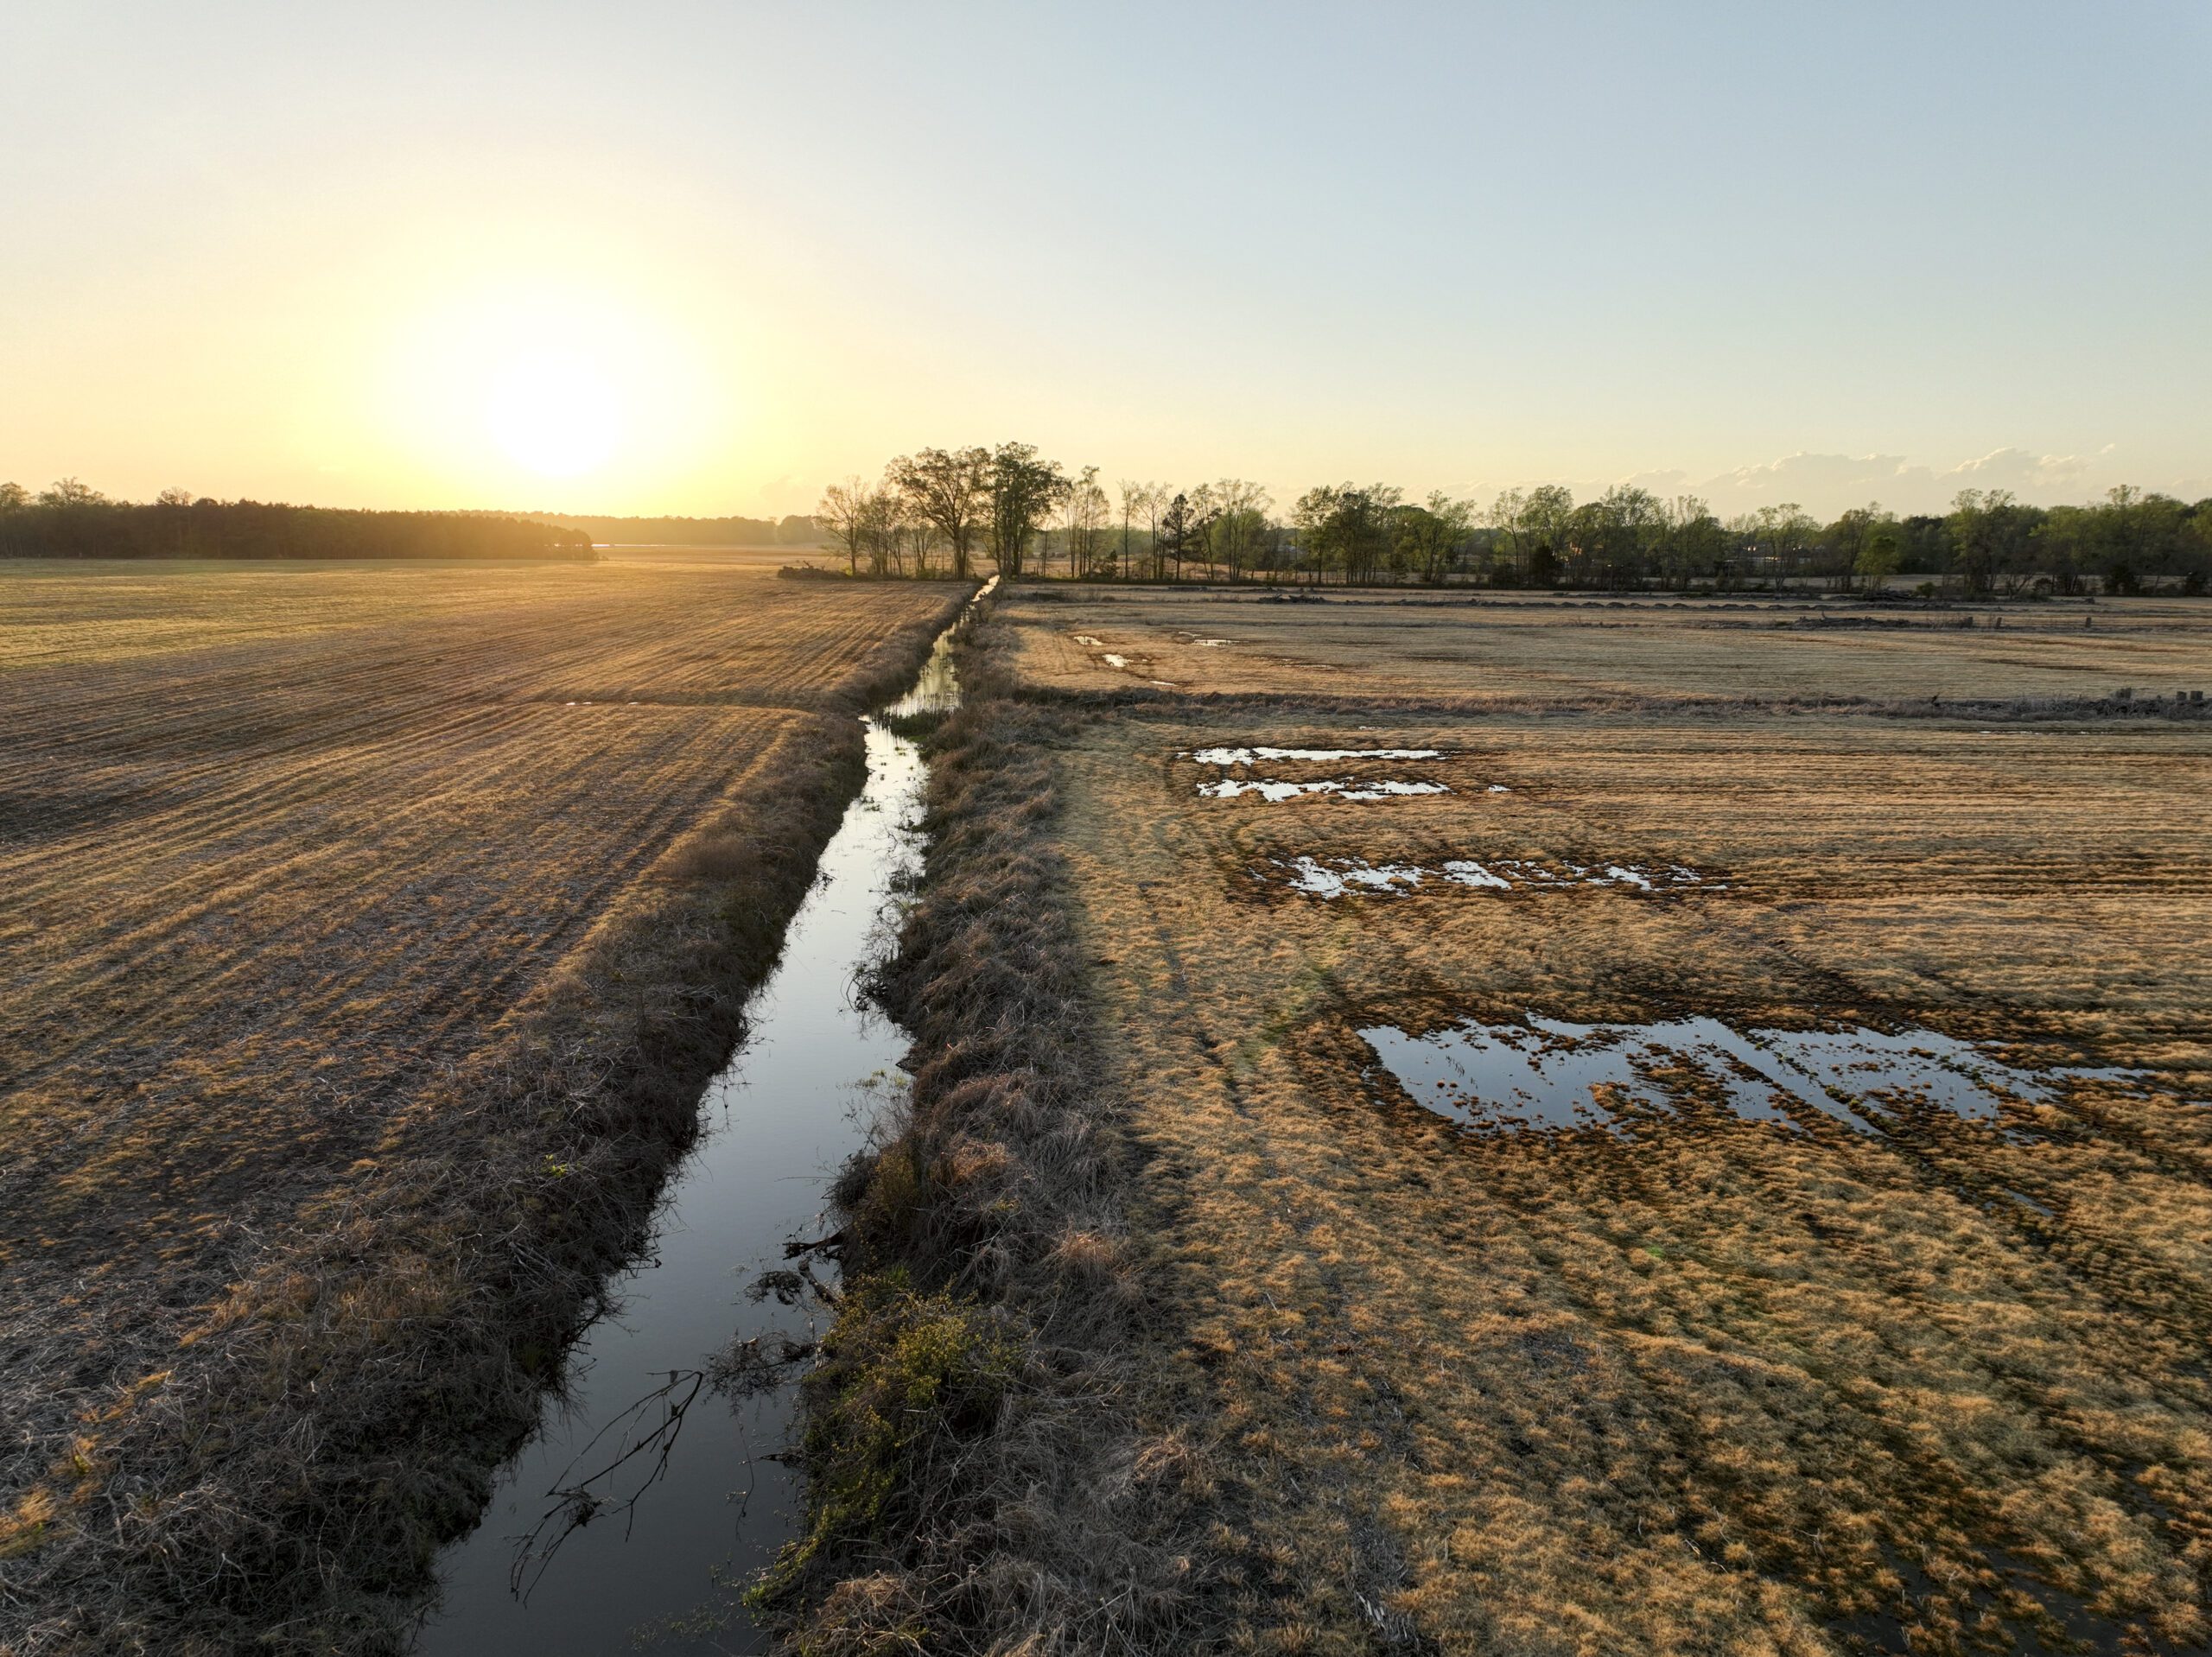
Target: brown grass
977	1478
1717	1387
370	934
1523	649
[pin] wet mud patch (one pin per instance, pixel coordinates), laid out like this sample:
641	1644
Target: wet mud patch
1549	1074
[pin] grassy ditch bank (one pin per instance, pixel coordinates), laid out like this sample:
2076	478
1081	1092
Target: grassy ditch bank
279	1475
979	1474
1883	1365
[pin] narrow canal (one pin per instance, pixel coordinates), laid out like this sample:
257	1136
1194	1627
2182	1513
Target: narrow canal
682	1506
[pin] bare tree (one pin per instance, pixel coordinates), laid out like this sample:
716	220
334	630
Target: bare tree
880	530
1088	513
1239	516
1197	541
1155	501
919	537
847	514
1132	494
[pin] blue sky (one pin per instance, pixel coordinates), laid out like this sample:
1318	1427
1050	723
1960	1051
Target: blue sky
1814	253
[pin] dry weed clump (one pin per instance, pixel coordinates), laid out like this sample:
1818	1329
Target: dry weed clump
979	1478
330	1155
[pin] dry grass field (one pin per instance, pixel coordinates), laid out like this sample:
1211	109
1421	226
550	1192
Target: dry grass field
1515	647
366	931
1678	1379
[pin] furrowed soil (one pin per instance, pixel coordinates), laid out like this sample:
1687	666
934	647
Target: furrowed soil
1685	1382
369	931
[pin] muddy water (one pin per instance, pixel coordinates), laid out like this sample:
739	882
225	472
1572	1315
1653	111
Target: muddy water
659	1564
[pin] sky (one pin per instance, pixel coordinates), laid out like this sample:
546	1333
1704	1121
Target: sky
704	258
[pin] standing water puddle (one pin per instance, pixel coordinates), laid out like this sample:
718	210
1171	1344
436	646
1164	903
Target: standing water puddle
1547	1073
1333	877
662	1572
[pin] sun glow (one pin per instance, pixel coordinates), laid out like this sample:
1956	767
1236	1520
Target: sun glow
556	411
528	379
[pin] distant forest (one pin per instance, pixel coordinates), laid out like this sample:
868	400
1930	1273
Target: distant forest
72	520
942	508
793	531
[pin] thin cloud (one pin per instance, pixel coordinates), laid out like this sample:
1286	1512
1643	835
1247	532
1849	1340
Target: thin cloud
1827	483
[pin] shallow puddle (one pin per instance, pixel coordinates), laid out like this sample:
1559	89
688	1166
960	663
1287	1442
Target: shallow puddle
1278	788
1332	877
1231	756
1546	1074
1269	788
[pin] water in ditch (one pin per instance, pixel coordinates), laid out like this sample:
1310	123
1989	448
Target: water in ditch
686	1507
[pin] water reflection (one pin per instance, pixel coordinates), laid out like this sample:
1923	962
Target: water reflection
1546	1074
689	1509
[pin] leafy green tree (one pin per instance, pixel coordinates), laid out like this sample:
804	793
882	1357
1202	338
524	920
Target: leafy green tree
1503	522
1879	553
1927	542
1844	541
1346	527
1611	541
1543	529
1990	533
1429	538
1022	490
1693	543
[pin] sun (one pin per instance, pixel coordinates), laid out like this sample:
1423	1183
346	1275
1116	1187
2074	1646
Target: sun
490	386
553	411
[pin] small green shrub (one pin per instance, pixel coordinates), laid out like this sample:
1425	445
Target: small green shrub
903	1377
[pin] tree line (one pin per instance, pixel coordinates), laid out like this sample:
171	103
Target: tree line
792	530
73	520
937	510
